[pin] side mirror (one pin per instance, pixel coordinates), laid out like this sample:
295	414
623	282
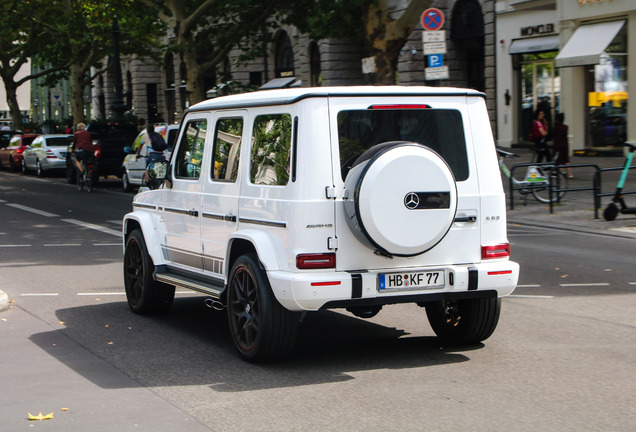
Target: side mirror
158	173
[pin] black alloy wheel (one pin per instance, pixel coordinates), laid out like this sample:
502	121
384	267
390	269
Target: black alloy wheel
262	329
144	294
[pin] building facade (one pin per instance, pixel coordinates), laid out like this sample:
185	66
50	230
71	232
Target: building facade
568	56
157	92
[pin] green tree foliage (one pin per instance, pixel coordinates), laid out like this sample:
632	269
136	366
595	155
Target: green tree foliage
20	39
81	37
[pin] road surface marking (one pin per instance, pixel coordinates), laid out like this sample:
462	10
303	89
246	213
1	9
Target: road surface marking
529	296
32	210
106	244
632	283
585	284
62	244
94	227
39	294
14	245
102	294
528	286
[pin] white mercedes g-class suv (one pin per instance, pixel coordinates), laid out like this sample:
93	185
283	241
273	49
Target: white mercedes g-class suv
280	202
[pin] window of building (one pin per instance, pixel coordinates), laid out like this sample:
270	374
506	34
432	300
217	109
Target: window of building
606	86
190	155
271	150
284	56
227	148
540	90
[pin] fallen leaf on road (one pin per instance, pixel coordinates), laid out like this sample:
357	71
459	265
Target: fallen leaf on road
40	416
64	409
106	326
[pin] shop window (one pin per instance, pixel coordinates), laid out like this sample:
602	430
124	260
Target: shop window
540	90
606	85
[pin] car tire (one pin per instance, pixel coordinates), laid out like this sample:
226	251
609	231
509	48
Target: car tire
38	168
378	185
12	166
144	294
24	167
125	182
261	328
464	322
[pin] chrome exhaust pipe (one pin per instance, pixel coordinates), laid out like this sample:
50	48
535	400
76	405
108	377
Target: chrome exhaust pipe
214	304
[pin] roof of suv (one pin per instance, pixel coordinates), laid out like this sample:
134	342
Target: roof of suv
288	96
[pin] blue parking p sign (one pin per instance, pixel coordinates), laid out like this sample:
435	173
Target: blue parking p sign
435	60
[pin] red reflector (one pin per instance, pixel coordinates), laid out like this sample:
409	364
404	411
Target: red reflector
325	283
496	251
316	261
401	106
501	272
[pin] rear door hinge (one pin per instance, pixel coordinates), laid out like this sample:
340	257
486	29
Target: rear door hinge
332	243
330	192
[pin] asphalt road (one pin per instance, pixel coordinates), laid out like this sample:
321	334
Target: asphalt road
562	358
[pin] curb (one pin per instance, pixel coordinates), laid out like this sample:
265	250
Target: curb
4	301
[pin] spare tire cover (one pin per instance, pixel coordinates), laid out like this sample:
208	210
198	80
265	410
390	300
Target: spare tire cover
404	199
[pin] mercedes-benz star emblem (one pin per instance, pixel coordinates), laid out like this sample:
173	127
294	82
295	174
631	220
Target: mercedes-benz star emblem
411	200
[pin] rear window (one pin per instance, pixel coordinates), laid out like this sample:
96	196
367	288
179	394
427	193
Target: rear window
440	129
58	142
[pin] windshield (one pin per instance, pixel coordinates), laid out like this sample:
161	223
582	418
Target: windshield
440	129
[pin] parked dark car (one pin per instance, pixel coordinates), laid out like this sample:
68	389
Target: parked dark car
11	150
111	137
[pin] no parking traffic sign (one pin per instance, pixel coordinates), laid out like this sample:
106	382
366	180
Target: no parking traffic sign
432	19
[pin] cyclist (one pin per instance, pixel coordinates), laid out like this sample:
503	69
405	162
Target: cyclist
83	145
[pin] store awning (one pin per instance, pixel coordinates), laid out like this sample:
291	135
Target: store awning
536	44
587	44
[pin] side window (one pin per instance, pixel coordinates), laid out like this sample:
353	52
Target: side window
36	143
271	144
190	156
227	148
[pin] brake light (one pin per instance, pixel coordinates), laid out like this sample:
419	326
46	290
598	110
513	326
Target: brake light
97	153
496	251
316	261
20	150
50	154
401	106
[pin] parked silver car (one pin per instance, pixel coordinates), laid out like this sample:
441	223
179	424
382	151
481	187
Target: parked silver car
46	153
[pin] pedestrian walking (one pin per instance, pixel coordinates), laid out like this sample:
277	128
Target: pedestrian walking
561	144
540	136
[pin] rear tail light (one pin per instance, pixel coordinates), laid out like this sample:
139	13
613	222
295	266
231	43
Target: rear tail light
20	150
495	251
50	154
316	261
97	153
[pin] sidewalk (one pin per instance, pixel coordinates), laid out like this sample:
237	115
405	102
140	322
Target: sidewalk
576	211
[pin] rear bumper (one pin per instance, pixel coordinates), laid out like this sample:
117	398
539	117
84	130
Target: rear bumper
325	290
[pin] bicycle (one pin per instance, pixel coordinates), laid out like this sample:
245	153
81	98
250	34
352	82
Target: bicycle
86	177
536	180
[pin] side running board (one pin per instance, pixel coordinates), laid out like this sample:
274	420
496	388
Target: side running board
212	288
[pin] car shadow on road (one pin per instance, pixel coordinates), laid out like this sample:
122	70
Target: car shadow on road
191	346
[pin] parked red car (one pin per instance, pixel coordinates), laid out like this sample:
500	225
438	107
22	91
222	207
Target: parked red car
11	151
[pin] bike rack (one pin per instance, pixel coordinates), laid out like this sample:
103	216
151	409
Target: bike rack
552	190
597	192
511	184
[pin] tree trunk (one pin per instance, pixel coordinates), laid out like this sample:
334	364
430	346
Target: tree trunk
77	93
11	90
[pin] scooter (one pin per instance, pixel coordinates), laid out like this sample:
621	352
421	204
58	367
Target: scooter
612	209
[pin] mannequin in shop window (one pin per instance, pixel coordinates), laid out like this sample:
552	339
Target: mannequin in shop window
540	136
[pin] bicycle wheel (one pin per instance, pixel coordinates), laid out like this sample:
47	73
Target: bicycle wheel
88	179
79	180
559	182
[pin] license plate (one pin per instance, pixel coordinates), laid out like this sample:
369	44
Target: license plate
410	280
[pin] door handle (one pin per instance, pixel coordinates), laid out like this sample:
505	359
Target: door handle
194	213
